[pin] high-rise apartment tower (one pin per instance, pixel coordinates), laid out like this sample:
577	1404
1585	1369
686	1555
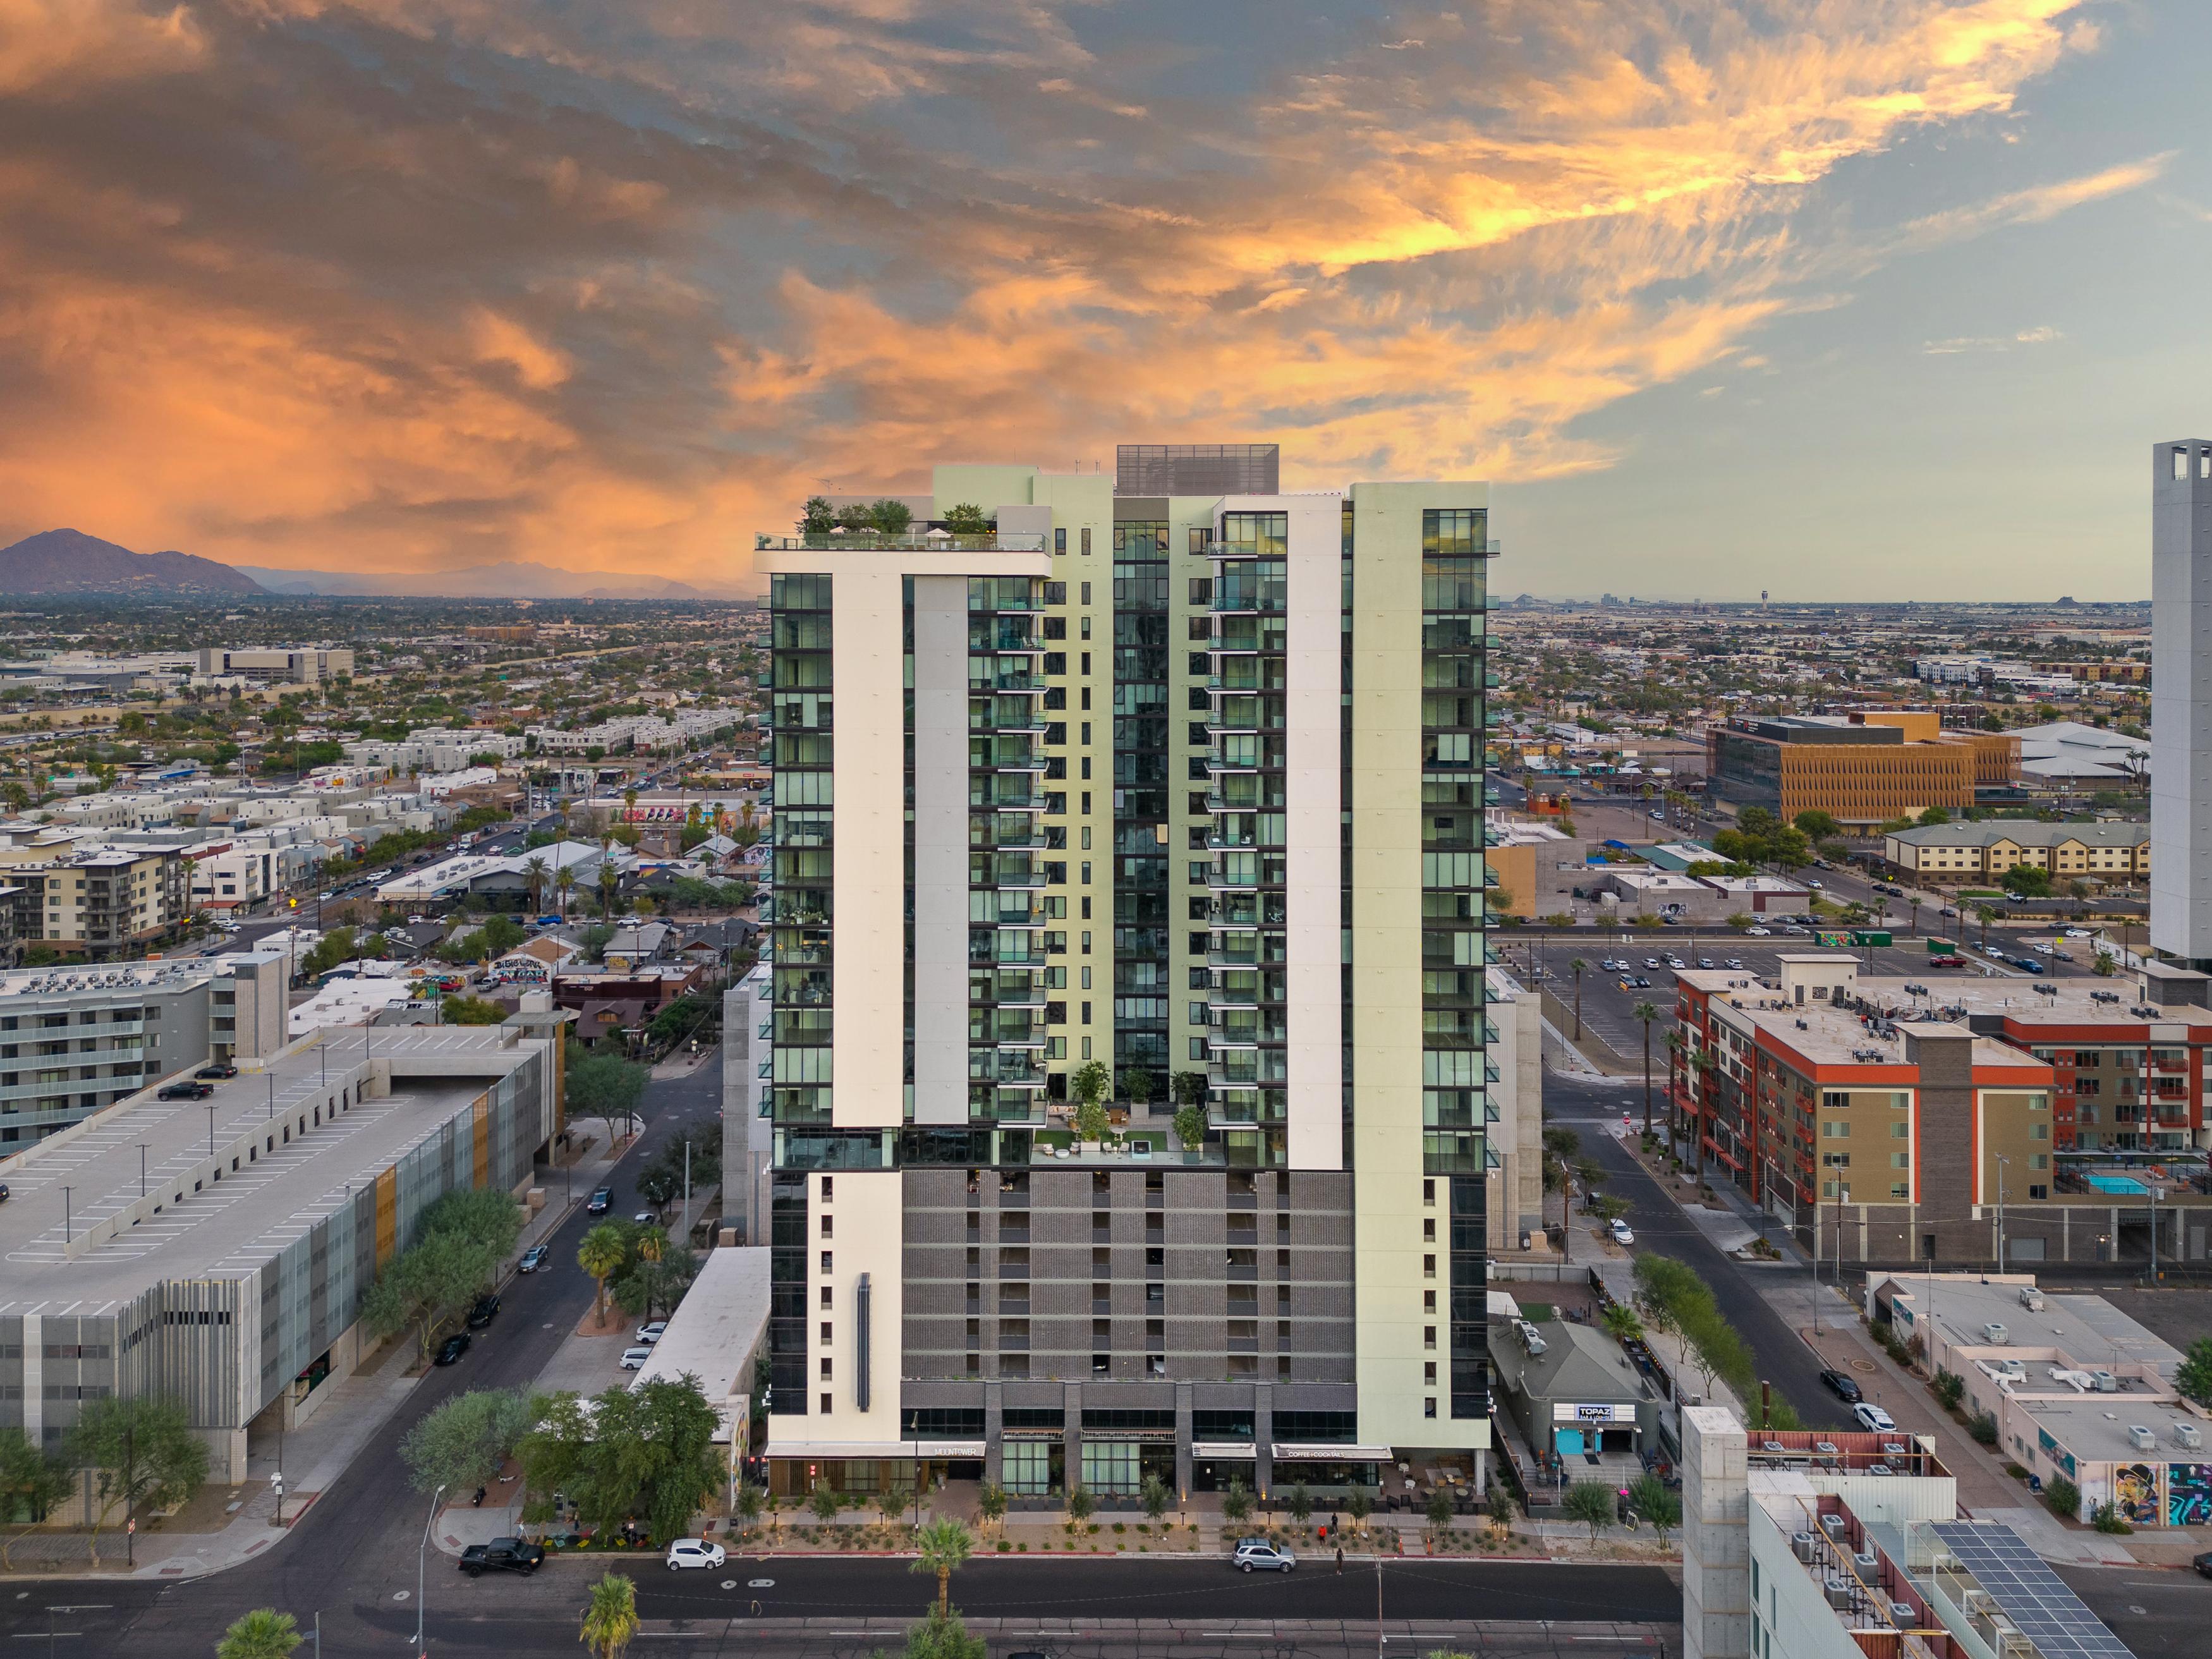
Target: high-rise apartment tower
2181	701
1180	776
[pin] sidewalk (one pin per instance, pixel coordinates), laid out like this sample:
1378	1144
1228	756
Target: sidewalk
315	1455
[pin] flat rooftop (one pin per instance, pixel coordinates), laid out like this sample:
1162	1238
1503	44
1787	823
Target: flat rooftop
715	1331
1819	1032
2090	1330
229	1226
2073	1001
2095	1428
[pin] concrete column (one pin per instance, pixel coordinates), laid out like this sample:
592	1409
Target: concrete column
1716	1535
1071	1431
1482	1471
1183	1440
34	1379
1263	1438
994	1434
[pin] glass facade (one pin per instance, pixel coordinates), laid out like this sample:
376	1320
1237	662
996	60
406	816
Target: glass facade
1141	990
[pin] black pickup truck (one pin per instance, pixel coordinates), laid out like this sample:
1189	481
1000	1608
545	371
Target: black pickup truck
501	1555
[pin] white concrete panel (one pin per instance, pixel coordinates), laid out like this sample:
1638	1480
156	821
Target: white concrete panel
1313	796
2181	703
867	980
941	849
867	1235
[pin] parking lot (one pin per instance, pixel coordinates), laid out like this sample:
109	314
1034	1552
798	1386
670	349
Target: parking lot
1607	1005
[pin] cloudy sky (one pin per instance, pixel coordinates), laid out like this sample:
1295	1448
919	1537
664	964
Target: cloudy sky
1838	298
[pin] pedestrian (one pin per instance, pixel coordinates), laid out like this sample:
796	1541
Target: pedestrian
1339	1560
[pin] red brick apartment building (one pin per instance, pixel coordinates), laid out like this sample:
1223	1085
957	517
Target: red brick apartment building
1902	1116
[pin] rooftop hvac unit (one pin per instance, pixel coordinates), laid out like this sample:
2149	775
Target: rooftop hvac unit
2141	1437
2189	1435
1866	1561
1805	1546
1841	1593
1994	1334
1536	1344
1902	1614
1833	1523
2104	1382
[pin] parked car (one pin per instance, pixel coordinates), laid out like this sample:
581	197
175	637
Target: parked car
1873	1417
2202	1563
184	1091
649	1334
1642	983
1650	962
695	1553
533	1258
600	1201
219	1070
2030	965
1621	1232
1760	932
1705	962
1948	911
451	1350
645	1219
502	1555
1843	1388
634	1359
483	1313
1253	1553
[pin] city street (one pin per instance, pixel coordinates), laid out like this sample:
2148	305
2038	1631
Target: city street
353	1555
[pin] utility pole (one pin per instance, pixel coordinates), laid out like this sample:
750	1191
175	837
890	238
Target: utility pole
2002	1163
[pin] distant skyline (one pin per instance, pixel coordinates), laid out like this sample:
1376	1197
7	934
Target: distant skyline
1840	301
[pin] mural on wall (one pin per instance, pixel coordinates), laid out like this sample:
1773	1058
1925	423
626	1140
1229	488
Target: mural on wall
2134	1493
2188	1494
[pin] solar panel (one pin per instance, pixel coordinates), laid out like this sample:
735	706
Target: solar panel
2027	1592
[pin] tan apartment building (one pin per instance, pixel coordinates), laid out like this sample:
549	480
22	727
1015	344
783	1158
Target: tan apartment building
101	902
1984	852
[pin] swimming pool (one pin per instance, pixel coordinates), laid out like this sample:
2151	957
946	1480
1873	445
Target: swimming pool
2105	1184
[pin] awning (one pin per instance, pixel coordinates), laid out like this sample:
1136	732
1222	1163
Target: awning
1304	1454
824	1450
1220	1449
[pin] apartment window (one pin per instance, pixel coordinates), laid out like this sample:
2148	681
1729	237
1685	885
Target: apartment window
827	1228
1060	541
826	1294
826	1364
826	1268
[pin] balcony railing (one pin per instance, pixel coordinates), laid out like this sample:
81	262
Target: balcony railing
905	541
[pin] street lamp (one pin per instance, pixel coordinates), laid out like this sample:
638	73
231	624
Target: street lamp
420	1553
2002	1163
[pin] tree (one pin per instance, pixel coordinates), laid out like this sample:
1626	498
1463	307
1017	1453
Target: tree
2026	881
470	1011
32	1479
889	516
817	517
1576	967
1082	1503
534	877
2064	1498
2193	1380
1438	1507
263	1634
1237	1502
824	1505
431	1285
942	1635
1137	1085
1818	825
1649	1497
1739	919
1590	1502
1190	1127
602	1254
647	1287
611	1616
644	1451
1359	1505
462	1443
1155	1497
1645	1014
749	1501
1500	1506
966	519
605	1085
142	1450
1986	915
1302	1504
943	1545
1620	1321
1932	816
991	1502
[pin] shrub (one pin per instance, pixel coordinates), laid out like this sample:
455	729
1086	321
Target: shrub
1984	1428
2106	1517
1950	1388
2064	1498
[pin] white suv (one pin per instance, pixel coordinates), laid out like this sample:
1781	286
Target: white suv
1256	1553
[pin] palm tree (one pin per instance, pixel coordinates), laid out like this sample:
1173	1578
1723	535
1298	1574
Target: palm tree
1644	1013
263	1634
1620	1321
608	880
1987	915
564	884
1677	1046
611	1616
601	1254
534	874
945	1543
1576	968
1916	913
1701	1096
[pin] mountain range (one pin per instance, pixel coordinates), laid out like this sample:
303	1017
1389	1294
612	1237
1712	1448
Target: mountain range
70	561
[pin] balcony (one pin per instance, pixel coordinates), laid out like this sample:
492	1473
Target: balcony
911	540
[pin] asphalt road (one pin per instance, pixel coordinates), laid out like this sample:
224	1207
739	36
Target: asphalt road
354	1552
1660	1227
2157	1612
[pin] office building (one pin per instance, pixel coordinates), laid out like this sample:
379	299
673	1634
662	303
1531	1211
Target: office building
1961	1119
147	1276
1189	784
1840	1544
1944	854
280	665
1862	767
2181	701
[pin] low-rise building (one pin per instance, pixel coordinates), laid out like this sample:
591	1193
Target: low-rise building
84	898
1945	853
1837	1544
278	666
1865	767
